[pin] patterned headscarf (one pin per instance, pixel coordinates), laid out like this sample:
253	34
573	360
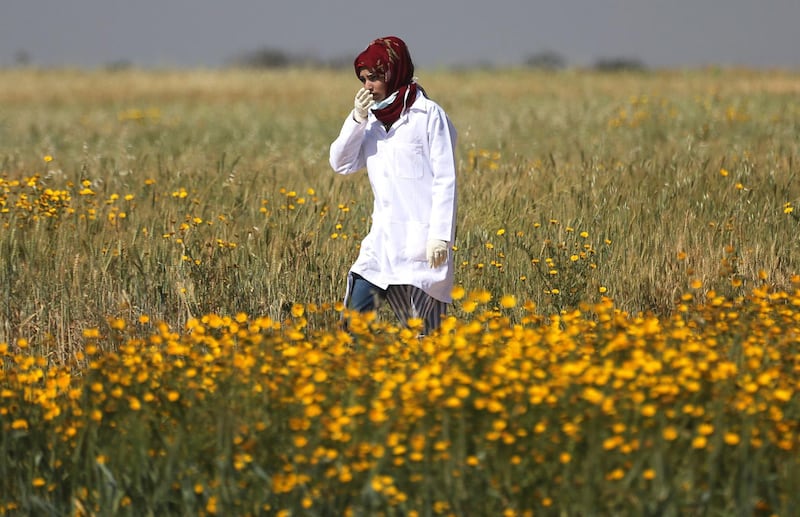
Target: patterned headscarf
389	57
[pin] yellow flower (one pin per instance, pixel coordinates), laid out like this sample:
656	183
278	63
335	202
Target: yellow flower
91	333
706	429
508	301
415	323
723	172
452	402
481	296
298	310
670	433
782	395
731	438
211	505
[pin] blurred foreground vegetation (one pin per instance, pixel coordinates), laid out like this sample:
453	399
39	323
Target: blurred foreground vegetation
587	412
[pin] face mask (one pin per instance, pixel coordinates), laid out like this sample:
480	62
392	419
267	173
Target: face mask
385	102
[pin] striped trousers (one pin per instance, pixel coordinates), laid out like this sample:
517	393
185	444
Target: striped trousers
406	301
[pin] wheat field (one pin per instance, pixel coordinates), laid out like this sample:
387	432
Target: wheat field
182	193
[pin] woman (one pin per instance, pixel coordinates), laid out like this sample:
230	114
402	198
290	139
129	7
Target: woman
407	144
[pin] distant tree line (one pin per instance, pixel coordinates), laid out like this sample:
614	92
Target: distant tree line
268	57
551	60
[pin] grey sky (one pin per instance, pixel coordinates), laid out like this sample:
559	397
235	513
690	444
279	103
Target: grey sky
207	33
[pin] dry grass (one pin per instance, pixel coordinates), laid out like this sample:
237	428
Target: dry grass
634	161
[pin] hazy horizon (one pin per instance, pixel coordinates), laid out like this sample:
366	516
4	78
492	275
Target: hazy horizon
205	33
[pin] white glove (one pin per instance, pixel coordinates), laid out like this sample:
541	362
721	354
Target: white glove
437	252
361	105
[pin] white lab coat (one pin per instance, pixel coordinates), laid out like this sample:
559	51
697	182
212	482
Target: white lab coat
412	171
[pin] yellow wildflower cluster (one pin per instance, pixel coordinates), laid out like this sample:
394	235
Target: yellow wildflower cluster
483	159
29	199
581	411
562	258
26	198
139	115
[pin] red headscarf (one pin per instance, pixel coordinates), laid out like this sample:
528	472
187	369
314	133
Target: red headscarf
389	57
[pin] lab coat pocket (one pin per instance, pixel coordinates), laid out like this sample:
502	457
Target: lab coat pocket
416	241
409	160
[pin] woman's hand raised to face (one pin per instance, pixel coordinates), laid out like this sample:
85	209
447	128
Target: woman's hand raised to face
361	105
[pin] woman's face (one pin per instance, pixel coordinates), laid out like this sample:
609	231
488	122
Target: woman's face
374	83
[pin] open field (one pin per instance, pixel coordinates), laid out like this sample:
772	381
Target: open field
176	194
174	247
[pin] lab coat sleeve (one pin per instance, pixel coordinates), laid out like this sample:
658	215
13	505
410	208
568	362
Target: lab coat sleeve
346	156
442	141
